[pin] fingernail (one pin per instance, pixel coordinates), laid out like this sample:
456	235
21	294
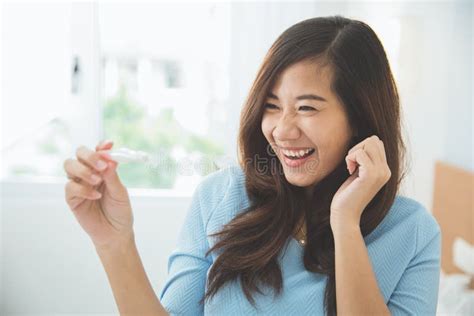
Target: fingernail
101	164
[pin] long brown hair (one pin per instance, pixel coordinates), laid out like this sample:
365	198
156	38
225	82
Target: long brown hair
249	245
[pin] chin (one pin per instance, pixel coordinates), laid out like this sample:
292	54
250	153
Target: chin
299	180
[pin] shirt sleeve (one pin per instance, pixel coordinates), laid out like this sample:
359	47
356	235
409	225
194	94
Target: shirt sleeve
417	290
187	265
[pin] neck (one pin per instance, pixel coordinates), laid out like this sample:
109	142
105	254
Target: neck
300	231
309	191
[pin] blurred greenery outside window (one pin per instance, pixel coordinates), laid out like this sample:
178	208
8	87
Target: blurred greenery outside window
176	151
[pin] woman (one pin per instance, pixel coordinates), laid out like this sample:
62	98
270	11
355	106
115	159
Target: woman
309	221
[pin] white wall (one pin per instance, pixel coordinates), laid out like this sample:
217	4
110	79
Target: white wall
49	264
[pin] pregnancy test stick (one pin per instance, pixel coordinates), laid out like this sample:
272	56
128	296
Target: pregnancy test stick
124	155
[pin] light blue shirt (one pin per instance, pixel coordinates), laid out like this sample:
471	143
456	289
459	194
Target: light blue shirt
404	250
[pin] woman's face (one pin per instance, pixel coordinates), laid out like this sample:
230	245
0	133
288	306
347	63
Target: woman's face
302	113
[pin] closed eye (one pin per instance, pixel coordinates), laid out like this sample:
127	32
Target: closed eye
304	108
307	108
270	106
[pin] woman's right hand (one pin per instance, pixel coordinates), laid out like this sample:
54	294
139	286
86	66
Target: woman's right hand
97	197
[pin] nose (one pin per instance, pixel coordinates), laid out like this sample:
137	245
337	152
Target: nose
286	129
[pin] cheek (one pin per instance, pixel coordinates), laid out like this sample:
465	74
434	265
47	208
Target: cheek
326	139
333	146
313	130
267	128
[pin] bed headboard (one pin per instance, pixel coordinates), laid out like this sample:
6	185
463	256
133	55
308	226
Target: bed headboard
453	198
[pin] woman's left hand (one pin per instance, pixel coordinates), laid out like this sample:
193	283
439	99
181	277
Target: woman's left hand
347	205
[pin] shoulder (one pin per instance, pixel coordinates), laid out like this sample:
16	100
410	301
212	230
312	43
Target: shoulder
222	190
409	211
408	218
426	226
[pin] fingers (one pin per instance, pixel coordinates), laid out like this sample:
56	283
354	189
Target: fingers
88	174
359	158
91	158
104	145
75	190
382	150
88	164
110	175
92	168
103	148
380	173
76	170
372	146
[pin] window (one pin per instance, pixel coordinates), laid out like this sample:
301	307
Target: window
151	77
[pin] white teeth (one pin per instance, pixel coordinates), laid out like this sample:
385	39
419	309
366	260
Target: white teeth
292	153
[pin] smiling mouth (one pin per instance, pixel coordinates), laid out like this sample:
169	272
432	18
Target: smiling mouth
297	156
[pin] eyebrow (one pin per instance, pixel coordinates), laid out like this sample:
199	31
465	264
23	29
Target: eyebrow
301	97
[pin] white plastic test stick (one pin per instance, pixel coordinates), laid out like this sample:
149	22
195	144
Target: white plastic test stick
124	155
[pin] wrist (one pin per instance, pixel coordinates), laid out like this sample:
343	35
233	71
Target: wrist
119	245
345	228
